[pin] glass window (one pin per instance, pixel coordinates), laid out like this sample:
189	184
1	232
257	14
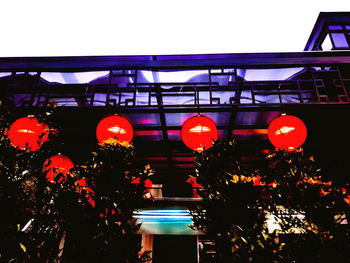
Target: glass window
339	40
270	74
4	74
335	27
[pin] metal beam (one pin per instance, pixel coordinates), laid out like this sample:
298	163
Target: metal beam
193	109
220	127
241	60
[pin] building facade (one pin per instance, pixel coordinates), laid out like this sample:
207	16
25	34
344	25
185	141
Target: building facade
241	93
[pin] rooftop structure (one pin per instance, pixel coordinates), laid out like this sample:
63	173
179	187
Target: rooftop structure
242	93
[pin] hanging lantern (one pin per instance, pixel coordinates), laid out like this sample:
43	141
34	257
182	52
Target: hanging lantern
114	127
55	165
28	133
199	132
287	132
148	183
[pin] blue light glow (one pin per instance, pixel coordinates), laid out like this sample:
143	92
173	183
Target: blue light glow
72	78
270	74
178	76
165	221
172	76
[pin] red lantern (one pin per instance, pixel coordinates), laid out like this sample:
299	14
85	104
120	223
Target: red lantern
28	133
57	164
287	132
148	183
199	132
113	127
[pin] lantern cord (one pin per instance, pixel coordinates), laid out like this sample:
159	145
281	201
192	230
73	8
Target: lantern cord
198	111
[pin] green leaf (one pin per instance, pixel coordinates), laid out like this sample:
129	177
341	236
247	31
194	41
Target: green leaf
244	240
23	247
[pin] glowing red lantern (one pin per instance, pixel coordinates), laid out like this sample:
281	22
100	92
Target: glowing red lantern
28	133
113	127
199	132
57	164
287	132
148	183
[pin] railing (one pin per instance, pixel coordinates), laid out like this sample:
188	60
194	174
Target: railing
325	89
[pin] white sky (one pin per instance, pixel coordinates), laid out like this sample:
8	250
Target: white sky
155	27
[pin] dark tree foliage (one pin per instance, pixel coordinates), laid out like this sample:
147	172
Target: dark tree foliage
300	188
229	211
110	173
287	187
87	217
25	195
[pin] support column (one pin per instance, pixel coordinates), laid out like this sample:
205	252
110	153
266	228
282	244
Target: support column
147	244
